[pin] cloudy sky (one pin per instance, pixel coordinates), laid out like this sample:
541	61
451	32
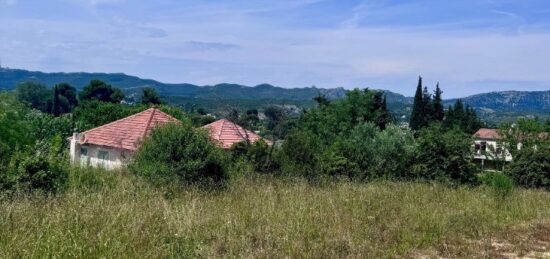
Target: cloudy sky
469	46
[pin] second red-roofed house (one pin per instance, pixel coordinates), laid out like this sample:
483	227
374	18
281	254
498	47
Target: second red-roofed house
227	133
111	145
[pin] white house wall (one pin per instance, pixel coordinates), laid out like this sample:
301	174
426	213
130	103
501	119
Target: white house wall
117	158
488	153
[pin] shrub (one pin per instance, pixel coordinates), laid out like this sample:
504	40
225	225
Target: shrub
499	182
299	153
29	172
444	155
365	153
256	154
181	153
377	153
531	167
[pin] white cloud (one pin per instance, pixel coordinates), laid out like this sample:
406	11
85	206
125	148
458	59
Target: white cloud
206	45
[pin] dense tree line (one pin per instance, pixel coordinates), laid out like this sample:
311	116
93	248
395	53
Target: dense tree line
354	138
428	108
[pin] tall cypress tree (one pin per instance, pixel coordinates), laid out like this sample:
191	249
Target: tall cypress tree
449	119
427	111
438	110
459	112
385	115
416	120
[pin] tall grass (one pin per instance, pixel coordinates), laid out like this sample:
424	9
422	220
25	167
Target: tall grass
113	214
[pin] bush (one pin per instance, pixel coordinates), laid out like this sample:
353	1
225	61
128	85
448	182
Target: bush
531	167
377	153
444	155
181	153
257	154
299	154
29	172
499	182
365	153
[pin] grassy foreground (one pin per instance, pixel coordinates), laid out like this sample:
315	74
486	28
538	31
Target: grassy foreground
118	215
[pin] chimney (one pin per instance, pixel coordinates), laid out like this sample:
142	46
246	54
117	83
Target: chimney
74	149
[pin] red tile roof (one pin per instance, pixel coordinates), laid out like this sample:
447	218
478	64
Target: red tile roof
227	133
126	133
487	134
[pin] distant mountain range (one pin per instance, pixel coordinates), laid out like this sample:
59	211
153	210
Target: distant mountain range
494	106
9	78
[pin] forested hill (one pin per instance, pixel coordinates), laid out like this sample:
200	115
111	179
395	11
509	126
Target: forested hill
494	106
9	78
510	101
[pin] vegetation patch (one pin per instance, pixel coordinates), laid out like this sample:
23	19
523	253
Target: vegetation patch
120	215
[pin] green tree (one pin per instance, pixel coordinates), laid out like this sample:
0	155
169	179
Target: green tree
463	118
321	100
417	116
15	131
150	96
100	91
444	155
438	110
95	113
64	99
380	107
36	95
427	111
531	167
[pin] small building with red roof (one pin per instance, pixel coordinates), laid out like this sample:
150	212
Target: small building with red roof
227	133
488	134
488	147
111	145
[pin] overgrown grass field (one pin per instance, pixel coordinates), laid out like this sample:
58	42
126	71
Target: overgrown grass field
114	214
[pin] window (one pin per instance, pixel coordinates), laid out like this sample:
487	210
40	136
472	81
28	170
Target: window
483	145
83	151
477	146
103	155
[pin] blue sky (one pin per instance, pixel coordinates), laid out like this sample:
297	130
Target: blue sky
468	46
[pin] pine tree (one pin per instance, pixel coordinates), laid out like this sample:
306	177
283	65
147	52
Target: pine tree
472	122
459	113
149	96
321	100
438	110
416	119
427	111
449	119
462	117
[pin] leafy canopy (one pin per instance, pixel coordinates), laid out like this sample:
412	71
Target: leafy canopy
100	91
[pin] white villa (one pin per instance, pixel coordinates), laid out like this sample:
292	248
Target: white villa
113	144
488	148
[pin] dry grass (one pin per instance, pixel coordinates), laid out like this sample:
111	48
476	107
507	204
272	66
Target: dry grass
118	215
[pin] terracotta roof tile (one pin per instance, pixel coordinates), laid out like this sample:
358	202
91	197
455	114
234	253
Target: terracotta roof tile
227	133
126	133
487	134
